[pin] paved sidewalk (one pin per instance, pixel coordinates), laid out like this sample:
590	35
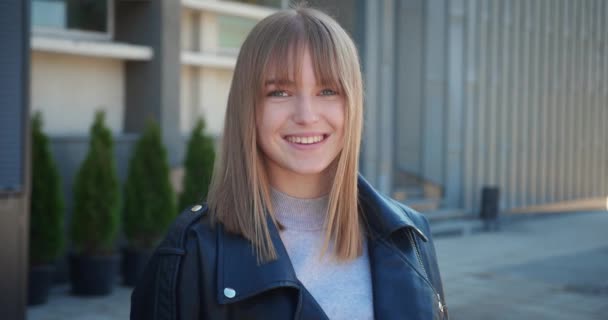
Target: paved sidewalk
64	306
551	267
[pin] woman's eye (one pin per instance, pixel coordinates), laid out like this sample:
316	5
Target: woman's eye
278	93
328	92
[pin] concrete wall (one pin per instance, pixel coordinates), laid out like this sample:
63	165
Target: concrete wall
188	21
153	87
187	100
68	89
214	88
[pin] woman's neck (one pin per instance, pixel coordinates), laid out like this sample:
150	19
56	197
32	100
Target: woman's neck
301	186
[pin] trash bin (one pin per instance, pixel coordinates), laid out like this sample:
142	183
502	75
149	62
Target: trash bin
489	207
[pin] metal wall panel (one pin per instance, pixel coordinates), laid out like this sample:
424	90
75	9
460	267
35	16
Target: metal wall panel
408	116
433	87
525	100
387	96
535	103
455	99
471	75
369	148
511	93
603	97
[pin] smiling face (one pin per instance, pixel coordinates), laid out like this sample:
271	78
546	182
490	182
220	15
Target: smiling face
300	125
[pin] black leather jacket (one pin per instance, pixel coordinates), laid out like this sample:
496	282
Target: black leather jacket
219	277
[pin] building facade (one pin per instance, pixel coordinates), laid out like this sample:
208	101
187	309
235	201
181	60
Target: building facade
459	94
474	93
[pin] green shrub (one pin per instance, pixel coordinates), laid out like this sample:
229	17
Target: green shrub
198	166
149	200
95	220
46	201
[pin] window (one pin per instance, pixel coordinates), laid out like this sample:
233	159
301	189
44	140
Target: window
232	33
73	18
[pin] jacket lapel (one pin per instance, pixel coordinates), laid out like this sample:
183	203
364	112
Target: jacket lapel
240	277
400	290
239	274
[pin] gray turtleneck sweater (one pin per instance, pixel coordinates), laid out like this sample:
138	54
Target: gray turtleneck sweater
343	290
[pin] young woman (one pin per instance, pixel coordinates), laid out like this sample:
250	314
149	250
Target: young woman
291	231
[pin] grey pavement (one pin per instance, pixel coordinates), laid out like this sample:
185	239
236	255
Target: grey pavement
64	306
549	267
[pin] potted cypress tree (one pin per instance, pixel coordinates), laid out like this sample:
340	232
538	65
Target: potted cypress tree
198	166
149	202
95	219
46	217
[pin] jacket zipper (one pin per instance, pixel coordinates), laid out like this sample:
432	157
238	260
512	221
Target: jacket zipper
425	274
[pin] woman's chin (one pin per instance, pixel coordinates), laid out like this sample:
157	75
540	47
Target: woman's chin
309	170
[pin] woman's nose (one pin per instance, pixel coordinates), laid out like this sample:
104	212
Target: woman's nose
305	111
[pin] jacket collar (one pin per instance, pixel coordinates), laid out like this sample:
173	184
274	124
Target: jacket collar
384	215
399	287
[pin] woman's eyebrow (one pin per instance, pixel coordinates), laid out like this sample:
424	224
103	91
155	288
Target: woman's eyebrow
279	82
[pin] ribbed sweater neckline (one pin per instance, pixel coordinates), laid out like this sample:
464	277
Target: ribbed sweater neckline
297	213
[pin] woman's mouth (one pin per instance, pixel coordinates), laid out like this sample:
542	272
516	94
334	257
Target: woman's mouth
306	140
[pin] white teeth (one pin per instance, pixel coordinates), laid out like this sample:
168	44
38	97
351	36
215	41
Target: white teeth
304	140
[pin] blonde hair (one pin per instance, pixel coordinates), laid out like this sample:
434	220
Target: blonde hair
239	192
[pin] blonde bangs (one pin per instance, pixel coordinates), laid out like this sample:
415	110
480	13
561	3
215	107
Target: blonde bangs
286	48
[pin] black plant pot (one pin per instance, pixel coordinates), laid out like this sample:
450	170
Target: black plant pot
133	263
39	283
93	275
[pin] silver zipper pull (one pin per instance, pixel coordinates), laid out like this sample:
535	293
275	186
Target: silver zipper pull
439	302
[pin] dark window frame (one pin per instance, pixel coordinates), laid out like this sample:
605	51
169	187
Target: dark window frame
79	34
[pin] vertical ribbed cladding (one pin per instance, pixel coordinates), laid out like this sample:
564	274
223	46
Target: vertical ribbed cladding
535	101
